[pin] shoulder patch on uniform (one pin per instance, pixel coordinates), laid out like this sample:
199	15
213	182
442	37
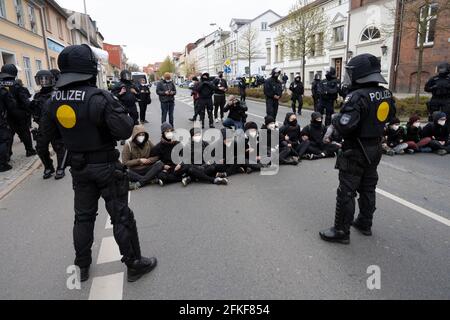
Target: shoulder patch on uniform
345	119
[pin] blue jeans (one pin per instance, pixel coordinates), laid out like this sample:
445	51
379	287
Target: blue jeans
228	123
167	108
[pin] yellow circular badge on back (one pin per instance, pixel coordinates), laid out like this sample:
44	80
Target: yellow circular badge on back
66	116
383	112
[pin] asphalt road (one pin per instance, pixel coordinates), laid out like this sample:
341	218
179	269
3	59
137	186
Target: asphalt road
254	239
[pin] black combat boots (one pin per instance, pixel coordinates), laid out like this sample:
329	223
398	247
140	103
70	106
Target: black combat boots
362	229
139	268
48	173
84	274
336	236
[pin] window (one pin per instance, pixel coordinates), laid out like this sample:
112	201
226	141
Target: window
264	26
19	12
428	19
269	56
7	58
38	65
52	63
292	49
277	53
60	29
312	45
371	33
338	34
319	45
311	76
48	24
32	18
28	71
2	9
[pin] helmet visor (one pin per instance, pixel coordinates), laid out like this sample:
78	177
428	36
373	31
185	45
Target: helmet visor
45	81
127	76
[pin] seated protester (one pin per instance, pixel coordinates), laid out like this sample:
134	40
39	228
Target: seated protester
439	134
200	171
291	137
237	114
395	137
271	126
332	136
171	172
142	169
414	136
315	133
227	167
252	156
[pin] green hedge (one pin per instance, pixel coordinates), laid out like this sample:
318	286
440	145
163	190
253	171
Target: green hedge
405	107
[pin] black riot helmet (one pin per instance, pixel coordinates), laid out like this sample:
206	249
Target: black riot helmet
77	63
298	78
318	77
125	75
56	73
9	71
443	69
330	73
365	68
276	72
45	79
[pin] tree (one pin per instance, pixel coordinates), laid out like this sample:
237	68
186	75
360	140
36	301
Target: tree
303	33
249	47
133	67
166	66
190	69
418	19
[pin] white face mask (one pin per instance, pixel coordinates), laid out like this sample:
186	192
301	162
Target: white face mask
169	136
441	123
228	144
197	139
416	125
140	139
253	134
395	128
271	126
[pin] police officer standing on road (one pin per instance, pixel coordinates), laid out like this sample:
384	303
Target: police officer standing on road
91	121
5	130
273	90
298	90
144	99
329	90
243	89
219	97
127	93
363	117
439	86
206	91
19	116
315	91
46	80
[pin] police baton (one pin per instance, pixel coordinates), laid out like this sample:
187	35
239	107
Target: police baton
64	162
364	151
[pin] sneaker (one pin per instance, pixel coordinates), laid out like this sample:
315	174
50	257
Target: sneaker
410	151
161	183
442	152
48	173
186	181
60	174
134	186
217	120
390	153
154	181
222	175
5	168
248	170
221	181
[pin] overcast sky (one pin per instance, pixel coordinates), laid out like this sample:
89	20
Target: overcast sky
153	29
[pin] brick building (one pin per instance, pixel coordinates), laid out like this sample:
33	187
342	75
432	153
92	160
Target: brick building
436	47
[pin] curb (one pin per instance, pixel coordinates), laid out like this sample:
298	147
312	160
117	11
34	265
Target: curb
36	164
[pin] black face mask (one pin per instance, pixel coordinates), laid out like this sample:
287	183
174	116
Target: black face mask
317	123
293	123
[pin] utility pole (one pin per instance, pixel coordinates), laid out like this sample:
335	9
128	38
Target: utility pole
87	23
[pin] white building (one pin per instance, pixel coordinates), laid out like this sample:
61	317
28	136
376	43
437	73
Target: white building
369	34
330	48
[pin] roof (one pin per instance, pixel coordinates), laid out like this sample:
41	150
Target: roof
247	21
309	6
58	8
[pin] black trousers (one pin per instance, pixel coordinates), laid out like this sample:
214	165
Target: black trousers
142	111
243	95
206	106
44	153
5	140
272	107
201	173
133	112
298	100
356	176
219	103
145	176
327	108
316	104
109	181
22	129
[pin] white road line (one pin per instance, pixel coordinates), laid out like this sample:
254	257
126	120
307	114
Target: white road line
414	207
109	251
108	226
107	288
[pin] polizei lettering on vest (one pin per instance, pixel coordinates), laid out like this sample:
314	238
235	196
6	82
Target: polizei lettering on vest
70	95
379	96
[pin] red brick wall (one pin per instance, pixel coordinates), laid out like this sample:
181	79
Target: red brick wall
115	54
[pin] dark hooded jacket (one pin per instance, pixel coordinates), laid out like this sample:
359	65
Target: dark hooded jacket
163	150
297	88
394	138
412	133
292	131
128	99
434	130
237	111
315	131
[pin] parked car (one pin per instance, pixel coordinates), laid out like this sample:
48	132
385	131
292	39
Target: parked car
233	83
185	84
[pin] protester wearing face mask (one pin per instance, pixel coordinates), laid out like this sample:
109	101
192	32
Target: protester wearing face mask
166	91
273	146
291	138
227	166
199	170
142	168
394	138
236	114
315	133
439	134
172	172
252	150
195	96
414	136
298	90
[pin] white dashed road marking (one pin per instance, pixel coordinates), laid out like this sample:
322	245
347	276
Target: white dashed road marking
107	288
109	251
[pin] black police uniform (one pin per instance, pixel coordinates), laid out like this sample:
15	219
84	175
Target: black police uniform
439	87
315	93
5	131
298	90
272	87
243	89
361	122
38	104
91	121
219	97
128	99
206	91
144	101
329	89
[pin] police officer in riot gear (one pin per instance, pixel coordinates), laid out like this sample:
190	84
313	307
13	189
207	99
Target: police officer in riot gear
56	73
298	90
363	117
46	80
5	130
439	86
19	116
127	93
273	90
219	97
315	91
91	121
329	90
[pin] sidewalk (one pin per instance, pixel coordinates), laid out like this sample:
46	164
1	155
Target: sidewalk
22	168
